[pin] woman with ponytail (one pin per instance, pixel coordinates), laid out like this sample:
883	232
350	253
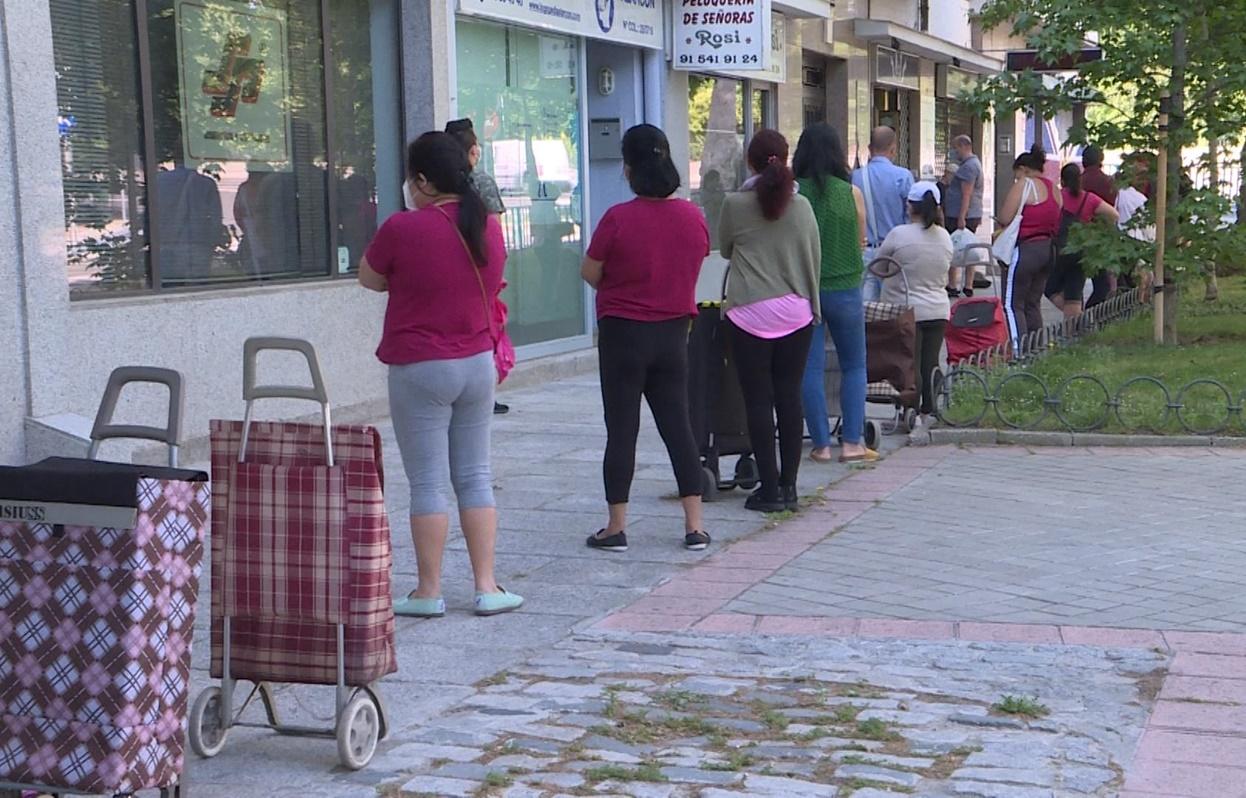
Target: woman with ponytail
923	249
769	235
441	266
644	260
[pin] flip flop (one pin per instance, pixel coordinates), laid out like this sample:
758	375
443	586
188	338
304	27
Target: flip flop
870	456
823	459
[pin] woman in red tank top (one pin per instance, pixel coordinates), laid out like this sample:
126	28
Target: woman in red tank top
1034	197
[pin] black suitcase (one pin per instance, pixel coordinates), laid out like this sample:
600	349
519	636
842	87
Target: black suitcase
716	404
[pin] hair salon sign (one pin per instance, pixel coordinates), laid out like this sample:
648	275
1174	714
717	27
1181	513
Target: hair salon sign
722	35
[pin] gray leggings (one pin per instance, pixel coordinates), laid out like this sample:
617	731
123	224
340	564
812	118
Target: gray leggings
441	411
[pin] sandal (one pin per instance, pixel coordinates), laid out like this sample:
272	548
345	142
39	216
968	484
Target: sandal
869	456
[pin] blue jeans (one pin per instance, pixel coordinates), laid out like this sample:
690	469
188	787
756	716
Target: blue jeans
844	316
871	286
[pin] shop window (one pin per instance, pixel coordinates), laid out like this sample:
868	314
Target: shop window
520	88
265	165
715	143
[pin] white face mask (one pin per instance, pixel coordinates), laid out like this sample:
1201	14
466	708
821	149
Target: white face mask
407	199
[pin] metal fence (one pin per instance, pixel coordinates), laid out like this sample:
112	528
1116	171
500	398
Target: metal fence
993	383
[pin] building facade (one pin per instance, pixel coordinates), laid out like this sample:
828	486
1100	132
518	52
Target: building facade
185	174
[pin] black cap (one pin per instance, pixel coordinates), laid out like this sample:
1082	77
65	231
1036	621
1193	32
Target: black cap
458	125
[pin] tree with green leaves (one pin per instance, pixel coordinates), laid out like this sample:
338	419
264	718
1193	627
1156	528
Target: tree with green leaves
1191	51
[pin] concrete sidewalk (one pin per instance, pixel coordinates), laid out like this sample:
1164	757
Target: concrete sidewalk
547	462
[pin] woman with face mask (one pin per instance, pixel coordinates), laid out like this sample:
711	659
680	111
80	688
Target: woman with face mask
440	265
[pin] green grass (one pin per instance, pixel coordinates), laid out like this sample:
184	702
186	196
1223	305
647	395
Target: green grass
679	700
1212	337
496	779
646	771
1019	705
775	720
875	729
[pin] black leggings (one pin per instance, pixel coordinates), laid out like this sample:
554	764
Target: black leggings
650	359
771	370
929	347
1024	284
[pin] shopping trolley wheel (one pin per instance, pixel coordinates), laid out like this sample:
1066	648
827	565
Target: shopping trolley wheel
358	729
709	484
207	728
746	474
872	434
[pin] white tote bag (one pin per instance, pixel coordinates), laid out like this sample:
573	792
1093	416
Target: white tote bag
1006	242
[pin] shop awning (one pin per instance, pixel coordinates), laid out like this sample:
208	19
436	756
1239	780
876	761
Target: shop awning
803	9
925	46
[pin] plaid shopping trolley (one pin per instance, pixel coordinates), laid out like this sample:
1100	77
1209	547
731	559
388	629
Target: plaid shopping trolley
301	565
99	574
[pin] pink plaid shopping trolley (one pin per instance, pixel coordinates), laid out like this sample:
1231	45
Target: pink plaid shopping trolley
99	573
300	566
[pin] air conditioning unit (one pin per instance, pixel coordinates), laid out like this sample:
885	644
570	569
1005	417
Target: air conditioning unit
941	80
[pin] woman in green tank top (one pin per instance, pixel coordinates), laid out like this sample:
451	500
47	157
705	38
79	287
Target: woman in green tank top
821	166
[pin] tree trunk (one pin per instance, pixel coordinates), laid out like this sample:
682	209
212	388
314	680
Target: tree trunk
1241	188
1211	290
1176	135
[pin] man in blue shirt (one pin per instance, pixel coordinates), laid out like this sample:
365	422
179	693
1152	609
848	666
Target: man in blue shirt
885	187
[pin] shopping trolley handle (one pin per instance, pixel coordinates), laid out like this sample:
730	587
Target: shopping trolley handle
250	355
103	429
986	260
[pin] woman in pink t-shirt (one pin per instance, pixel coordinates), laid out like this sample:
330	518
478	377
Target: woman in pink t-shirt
441	266
1066	285
644	260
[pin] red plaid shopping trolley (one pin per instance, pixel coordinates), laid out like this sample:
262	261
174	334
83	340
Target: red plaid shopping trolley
300	566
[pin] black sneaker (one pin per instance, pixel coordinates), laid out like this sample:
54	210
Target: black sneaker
952	293
500	409
981	282
789	497
615	542
696	541
758	502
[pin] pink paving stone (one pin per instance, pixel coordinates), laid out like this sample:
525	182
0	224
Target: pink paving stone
1224	718
1188	664
770	545
735	576
1204	688
1207	642
697	589
1008	632
747	559
805	537
1190	748
1195	781
917	630
1120	638
796	625
726	623
675	605
646	622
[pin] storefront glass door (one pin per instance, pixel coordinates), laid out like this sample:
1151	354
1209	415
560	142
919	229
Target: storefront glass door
520	88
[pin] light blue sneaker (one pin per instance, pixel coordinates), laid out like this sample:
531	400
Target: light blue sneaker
497	603
411	607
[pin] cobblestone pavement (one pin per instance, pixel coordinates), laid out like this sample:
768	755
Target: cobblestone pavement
980	531
718	717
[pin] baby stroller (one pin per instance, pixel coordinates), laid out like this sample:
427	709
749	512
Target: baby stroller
891	351
716	405
977	324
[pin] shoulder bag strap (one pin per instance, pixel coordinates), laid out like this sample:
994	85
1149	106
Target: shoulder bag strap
471	259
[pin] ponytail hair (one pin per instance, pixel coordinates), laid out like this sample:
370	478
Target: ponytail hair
441	160
927	209
767	155
1071	178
